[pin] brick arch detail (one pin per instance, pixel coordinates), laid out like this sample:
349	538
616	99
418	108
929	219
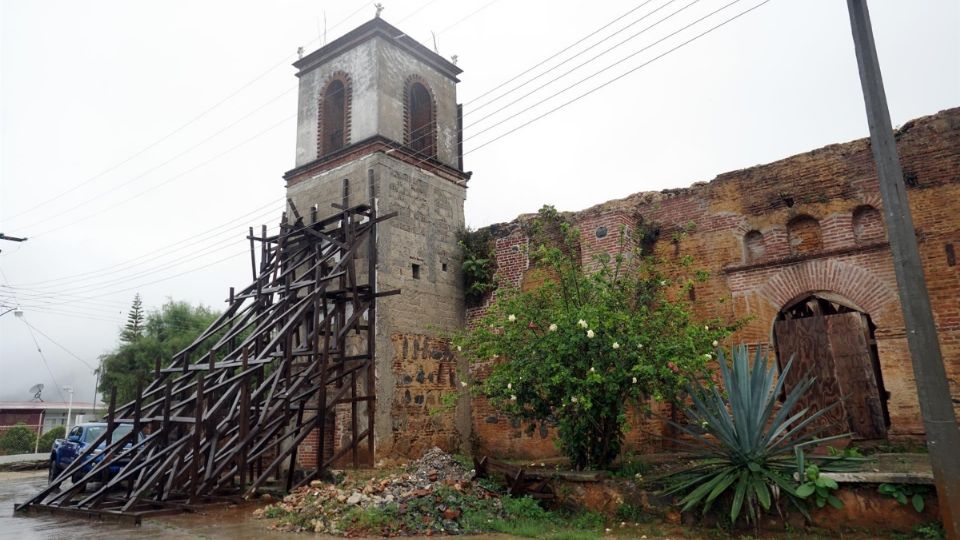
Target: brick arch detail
408	83
347	82
857	284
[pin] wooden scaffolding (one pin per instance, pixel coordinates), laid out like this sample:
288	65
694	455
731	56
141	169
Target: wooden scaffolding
229	412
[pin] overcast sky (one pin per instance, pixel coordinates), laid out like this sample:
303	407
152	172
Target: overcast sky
138	140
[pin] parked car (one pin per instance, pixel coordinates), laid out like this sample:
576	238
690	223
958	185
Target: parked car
65	451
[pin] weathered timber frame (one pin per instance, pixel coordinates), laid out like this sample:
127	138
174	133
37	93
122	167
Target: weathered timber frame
291	346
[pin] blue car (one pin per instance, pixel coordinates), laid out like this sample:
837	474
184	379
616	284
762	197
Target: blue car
65	451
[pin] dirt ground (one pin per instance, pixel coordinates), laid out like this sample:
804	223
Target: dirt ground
237	523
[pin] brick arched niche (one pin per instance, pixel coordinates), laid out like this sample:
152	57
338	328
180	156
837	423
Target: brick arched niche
419	117
754	247
862	290
867	225
803	233
333	114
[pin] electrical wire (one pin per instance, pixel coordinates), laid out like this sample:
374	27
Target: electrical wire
51	340
193	120
156	253
44	358
583	51
173	178
619	77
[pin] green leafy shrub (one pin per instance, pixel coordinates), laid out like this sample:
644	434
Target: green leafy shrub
746	449
19	439
904	493
818	489
46	440
576	350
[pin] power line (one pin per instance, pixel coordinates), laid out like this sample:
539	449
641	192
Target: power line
79	205
61	286
565	49
44	358
68	351
594	74
171	179
193	120
621	76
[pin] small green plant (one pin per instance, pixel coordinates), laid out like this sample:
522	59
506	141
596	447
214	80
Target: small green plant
848	452
819	489
932	531
904	493
632	466
632	513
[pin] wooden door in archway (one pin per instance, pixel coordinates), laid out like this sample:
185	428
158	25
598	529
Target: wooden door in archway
836	350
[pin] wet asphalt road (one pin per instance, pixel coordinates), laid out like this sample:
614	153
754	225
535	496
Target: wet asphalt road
16	487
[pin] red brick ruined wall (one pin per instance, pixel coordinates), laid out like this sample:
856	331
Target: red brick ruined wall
810	223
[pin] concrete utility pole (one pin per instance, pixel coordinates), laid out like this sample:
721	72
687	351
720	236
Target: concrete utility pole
933	391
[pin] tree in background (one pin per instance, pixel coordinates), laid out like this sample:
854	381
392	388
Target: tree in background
576	350
165	332
18	440
134	327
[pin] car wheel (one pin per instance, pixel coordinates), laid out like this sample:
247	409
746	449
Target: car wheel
54	471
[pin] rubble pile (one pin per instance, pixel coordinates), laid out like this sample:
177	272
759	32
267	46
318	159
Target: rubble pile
429	497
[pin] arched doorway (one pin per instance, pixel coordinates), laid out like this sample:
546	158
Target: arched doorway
833	340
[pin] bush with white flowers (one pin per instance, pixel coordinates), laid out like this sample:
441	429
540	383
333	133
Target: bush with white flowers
577	350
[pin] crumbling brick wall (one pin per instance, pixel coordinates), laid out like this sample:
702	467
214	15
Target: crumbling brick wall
770	234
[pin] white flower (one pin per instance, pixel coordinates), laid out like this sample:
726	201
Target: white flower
590	334
704	424
592	370
715	343
573	399
509	386
707	356
513	397
463	384
512	317
496	356
707	328
663	283
582	323
639	345
634	380
553	327
459	348
616	345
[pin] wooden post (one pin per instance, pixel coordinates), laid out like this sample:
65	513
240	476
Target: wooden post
372	315
940	423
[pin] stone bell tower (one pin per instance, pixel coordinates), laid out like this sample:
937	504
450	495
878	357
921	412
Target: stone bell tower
377	106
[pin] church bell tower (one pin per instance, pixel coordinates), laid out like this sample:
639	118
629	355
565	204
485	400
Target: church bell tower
376	108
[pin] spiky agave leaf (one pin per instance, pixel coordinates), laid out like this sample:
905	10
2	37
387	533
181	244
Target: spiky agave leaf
747	445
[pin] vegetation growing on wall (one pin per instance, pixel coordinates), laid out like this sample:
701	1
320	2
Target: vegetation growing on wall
478	265
579	348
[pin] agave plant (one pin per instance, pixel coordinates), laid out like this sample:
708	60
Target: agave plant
745	448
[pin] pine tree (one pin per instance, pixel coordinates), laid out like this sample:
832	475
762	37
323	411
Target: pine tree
134	327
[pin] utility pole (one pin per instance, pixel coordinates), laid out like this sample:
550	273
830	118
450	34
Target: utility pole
69	407
933	391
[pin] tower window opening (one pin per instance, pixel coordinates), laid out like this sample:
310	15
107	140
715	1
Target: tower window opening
421	124
333	117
